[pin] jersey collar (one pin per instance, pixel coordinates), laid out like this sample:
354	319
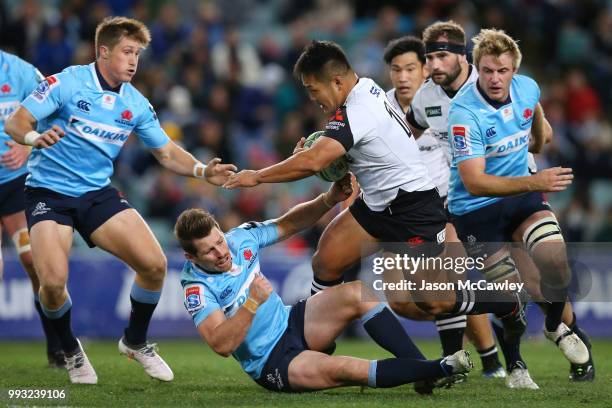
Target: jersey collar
101	83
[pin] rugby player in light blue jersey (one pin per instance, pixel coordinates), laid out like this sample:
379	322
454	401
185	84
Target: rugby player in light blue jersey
17	80
236	311
493	199
90	112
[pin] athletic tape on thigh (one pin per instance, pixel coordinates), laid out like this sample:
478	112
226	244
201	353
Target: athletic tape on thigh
21	239
545	229
501	270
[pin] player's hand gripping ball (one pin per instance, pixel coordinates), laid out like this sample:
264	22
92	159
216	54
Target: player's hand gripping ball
337	169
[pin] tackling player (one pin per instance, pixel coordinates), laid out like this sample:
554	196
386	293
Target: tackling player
17	80
236	311
492	198
405	58
90	111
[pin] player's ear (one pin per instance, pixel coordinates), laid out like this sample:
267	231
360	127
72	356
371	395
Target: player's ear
337	82
104	52
189	257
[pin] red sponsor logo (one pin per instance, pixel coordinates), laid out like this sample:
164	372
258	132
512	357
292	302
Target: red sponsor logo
126	115
527	113
338	116
247	254
459	131
6	88
415	241
194	290
51	80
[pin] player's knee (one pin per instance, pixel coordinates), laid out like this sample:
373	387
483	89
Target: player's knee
433	307
154	269
409	310
502	270
323	268
53	289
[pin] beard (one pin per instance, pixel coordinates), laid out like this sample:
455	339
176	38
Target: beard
449	78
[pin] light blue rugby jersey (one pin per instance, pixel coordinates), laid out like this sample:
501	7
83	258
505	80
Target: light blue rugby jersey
206	292
97	123
17	80
501	136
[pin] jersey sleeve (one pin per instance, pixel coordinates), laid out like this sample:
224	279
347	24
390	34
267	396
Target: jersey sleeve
466	140
49	95
149	129
265	233
416	115
349	133
199	301
30	78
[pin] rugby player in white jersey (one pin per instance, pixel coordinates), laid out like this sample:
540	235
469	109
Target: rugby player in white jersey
405	57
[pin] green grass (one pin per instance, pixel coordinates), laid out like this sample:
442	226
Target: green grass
207	380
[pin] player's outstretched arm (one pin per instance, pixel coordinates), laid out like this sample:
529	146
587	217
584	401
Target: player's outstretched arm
541	131
300	165
225	335
305	215
176	159
21	127
478	183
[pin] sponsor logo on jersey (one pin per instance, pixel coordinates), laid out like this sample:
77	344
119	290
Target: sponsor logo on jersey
108	101
83	106
336	122
6	88
441	236
490	132
7	108
527	117
459	138
194	299
508	145
226	292
374	90
44	88
415	241
247	254
98	132
507	113
40	209
433	111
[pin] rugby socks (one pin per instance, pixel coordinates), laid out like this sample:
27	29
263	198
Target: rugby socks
385	329
318	284
143	302
397	371
489	358
484	301
53	340
60	321
451	330
510	349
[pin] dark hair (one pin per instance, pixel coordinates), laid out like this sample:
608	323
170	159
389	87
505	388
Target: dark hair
322	59
403	45
193	223
449	29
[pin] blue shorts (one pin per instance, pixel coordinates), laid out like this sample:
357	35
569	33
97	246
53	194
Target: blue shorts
12	198
85	213
275	373
485	230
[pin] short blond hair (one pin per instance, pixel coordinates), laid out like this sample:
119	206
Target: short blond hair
495	42
112	29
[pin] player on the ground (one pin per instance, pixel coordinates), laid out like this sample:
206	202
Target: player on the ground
399	203
90	112
405	57
236	311
17	80
492	198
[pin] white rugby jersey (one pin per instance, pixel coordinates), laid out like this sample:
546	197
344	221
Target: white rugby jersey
429	110
431	152
383	154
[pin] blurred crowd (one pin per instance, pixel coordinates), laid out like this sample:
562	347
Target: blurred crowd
219	75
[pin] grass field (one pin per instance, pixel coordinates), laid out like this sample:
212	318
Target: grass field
207	380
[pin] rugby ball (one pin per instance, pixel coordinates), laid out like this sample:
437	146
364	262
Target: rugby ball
337	169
